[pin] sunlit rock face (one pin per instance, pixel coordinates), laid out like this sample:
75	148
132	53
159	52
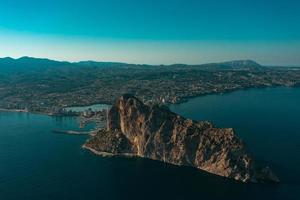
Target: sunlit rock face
156	133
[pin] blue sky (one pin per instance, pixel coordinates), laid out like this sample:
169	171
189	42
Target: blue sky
152	31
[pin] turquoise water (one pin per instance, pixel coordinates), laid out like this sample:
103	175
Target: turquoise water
95	107
38	164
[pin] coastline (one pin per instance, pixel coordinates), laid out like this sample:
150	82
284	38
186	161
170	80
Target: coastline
24	111
33	112
187	98
182	100
106	154
14	110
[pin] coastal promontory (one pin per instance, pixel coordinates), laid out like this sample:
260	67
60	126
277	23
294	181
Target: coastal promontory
154	132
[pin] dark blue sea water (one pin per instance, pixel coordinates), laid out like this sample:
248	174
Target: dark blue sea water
37	164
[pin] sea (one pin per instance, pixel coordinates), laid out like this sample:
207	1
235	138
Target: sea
38	164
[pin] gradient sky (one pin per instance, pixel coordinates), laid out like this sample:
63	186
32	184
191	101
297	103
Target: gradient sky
152	31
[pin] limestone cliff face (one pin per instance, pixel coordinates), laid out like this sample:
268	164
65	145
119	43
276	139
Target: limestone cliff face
157	133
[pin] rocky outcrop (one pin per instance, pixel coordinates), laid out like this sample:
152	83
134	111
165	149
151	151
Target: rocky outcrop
156	133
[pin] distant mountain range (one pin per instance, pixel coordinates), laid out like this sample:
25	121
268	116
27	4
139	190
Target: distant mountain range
242	63
8	64
27	64
30	63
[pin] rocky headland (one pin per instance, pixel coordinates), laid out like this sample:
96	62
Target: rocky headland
154	132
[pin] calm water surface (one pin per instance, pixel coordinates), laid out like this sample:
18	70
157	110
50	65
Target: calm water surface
95	107
38	164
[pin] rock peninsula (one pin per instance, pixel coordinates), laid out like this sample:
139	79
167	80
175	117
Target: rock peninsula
154	132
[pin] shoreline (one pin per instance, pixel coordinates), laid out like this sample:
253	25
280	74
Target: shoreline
183	100
187	98
33	112
14	110
25	111
106	154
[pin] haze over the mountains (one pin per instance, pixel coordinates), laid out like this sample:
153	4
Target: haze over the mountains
30	63
153	31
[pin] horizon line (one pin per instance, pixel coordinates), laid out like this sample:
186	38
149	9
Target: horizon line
121	62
